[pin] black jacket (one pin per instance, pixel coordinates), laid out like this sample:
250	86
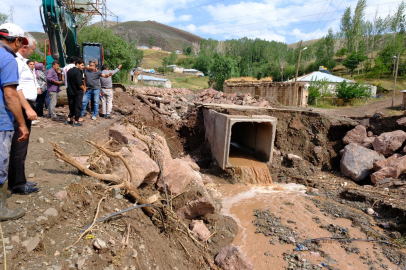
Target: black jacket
74	78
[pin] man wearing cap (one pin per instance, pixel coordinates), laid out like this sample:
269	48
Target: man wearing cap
27	90
11	37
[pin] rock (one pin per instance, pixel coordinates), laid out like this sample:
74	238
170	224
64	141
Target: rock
387	143
206	179
318	150
342	152
391	167
197	207
191	163
99	244
370	134
31	175
80	264
125	134
364	122
200	230
153	198
370	211
384	181
292	157
81	159
296	123
57	253
401	121
115	191
15	238
232	257
385	225
356	135
51	212
367	142
41	140
61	195
31	243
357	161
395	235
144	168
312	191
291	239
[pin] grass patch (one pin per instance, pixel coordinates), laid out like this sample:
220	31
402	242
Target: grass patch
192	83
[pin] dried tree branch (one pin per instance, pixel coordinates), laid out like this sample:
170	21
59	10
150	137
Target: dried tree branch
145	99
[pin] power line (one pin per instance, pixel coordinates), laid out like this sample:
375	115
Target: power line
135	6
318	16
11	13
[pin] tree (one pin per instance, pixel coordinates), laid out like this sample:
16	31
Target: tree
3	18
173	57
223	68
121	52
341	53
151	41
353	60
165	63
203	63
349	90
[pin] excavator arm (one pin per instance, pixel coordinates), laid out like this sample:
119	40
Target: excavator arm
59	23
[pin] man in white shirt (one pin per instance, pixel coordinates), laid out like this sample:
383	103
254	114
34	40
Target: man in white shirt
27	91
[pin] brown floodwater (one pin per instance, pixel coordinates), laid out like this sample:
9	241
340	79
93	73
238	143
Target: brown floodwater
239	202
249	169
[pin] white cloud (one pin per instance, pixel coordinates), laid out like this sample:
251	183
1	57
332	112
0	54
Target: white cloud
185	18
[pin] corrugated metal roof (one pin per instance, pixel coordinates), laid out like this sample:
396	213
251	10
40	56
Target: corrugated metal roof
191	70
317	75
151	78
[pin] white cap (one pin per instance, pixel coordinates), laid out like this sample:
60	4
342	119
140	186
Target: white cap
13	30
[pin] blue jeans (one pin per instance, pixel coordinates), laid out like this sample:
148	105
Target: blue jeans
6	138
91	94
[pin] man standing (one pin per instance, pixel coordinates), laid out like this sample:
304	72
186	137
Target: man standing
75	91
107	90
27	91
93	89
11	38
53	89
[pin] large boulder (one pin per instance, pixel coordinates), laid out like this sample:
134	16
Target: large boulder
232	257
357	161
144	168
389	142
389	168
125	134
356	135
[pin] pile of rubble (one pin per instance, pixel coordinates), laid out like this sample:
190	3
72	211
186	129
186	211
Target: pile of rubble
212	96
379	156
159	91
150	159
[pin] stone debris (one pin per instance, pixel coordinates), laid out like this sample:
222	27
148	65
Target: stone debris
31	243
51	212
160	91
200	230
213	96
31	175
61	195
389	142
99	244
232	257
197	207
357	161
41	140
391	167
370	211
356	135
401	121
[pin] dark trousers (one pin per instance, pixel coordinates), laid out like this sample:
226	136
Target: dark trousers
75	106
18	154
40	103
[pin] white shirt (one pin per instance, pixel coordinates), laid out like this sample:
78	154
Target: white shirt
27	82
65	73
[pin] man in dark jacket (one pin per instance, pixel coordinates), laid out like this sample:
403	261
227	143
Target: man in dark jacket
75	91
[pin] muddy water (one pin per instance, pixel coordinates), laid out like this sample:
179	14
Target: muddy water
248	169
239	201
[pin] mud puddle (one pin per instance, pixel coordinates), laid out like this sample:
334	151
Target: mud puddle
298	212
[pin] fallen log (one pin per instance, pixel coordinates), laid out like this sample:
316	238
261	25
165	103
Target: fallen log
146	101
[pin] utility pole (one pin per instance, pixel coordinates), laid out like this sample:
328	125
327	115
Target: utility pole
396	75
11	14
282	72
295	92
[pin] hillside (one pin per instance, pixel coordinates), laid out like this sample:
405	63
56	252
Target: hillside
166	37
40	37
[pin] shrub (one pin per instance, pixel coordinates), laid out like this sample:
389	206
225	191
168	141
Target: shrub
317	88
348	91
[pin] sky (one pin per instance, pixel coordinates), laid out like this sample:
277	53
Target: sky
286	21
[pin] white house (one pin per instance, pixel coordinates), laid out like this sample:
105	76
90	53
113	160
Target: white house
154	81
333	80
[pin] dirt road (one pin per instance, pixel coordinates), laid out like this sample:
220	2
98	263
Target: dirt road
384	106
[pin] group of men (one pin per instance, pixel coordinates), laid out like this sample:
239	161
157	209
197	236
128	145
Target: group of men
19	90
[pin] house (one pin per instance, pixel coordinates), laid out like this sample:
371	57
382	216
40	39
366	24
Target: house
175	68
193	72
142	48
178	52
156	48
154	81
323	74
